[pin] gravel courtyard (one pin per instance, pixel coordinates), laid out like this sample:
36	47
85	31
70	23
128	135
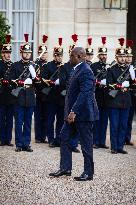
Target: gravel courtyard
24	178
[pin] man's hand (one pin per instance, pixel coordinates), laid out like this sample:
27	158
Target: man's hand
71	117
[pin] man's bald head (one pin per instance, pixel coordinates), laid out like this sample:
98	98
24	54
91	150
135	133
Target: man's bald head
79	51
78	55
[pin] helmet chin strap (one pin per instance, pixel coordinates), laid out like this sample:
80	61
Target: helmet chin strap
25	59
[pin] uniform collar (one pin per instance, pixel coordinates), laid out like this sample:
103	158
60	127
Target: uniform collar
25	62
121	65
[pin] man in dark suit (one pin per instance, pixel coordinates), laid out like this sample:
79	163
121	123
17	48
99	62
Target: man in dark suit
80	111
129	63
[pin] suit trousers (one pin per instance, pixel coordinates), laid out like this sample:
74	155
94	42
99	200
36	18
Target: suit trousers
53	132
85	130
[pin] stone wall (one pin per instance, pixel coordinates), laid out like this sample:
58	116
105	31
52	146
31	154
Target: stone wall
61	18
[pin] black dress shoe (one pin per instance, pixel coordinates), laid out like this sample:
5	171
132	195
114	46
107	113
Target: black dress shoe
60	173
113	151
2	144
44	141
129	143
96	146
75	150
18	149
52	145
83	177
27	149
38	141
103	146
56	144
9	144
122	151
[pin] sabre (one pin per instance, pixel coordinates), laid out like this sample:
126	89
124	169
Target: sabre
94	57
41	54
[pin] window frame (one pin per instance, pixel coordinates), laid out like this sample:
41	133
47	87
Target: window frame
115	8
9	15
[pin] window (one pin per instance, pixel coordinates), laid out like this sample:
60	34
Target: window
3	7
22	19
116	4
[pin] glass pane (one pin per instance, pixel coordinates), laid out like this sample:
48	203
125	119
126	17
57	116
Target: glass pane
108	4
23	4
23	23
2	4
3	13
115	3
124	4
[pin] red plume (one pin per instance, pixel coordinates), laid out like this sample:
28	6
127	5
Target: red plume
44	38
130	43
103	40
74	37
60	41
121	41
8	38
26	37
90	41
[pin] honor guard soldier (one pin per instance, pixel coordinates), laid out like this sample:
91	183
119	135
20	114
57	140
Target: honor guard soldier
55	96
89	52
129	59
100	69
40	113
6	99
22	74
119	77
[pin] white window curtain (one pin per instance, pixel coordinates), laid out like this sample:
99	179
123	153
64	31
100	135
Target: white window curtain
22	22
3	7
21	16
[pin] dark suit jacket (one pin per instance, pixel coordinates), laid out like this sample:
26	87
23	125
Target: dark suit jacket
80	96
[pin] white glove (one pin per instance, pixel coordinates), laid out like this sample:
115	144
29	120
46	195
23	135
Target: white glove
32	71
107	66
125	84
103	82
57	82
132	72
28	81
